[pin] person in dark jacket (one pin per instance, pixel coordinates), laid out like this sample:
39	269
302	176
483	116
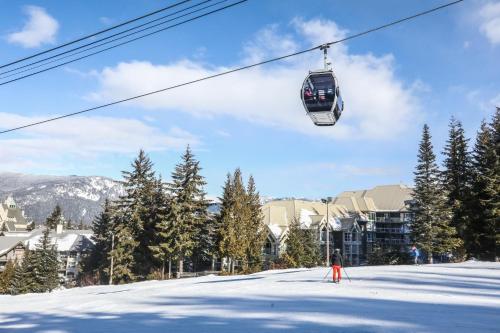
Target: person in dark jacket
337	264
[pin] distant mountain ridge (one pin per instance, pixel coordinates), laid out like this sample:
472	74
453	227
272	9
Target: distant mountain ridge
80	197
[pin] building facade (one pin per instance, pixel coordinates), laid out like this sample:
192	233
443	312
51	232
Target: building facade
12	217
333	221
357	222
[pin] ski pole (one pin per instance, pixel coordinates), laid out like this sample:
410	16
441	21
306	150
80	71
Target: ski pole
347	274
327	274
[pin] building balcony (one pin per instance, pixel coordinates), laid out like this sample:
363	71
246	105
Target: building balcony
390	230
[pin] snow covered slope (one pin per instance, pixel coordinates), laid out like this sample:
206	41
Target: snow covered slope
448	298
81	198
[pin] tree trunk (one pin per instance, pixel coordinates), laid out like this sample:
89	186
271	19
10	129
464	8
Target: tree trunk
169	268
233	263
163	269
213	263
179	268
431	260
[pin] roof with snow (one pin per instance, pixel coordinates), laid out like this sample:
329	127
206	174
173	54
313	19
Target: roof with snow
279	214
7	243
67	241
379	198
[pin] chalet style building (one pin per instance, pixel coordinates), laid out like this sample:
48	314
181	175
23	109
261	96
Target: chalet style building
12	218
343	229
16	237
386	208
357	222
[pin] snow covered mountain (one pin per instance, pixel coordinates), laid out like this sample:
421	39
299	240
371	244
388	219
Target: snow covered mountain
80	198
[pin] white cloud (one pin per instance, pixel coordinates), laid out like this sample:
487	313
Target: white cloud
490	26
41	28
84	138
376	100
495	101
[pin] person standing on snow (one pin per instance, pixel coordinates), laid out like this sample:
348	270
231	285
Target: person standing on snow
416	254
337	264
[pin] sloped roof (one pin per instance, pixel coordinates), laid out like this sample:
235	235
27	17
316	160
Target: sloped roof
7	243
279	214
379	198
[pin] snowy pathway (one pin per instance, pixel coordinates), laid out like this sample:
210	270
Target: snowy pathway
440	298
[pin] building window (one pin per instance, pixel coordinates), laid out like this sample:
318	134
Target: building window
347	237
269	248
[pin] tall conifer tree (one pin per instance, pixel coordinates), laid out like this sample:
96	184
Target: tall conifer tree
46	263
102	228
255	231
430	229
456	175
55	218
187	189
227	238
482	232
162	246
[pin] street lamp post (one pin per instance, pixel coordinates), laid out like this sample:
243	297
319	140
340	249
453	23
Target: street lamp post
112	261
327	201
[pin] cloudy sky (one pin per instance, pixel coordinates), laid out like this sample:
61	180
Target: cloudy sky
392	81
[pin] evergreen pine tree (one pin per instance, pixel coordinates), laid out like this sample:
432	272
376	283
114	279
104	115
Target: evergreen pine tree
55	218
134	222
295	248
312	253
24	280
255	232
124	247
241	212
495	127
162	245
482	232
227	239
6	277
16	282
430	229
45	264
98	260
206	242
457	177
190	205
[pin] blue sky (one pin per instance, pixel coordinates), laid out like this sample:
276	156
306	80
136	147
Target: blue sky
393	81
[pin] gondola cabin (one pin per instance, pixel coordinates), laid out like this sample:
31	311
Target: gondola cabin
321	98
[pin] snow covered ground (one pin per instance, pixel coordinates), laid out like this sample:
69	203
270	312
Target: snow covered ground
448	298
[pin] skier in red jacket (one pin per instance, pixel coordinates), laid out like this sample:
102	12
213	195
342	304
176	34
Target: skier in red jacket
337	264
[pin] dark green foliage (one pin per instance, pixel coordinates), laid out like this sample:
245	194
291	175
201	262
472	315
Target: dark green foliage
495	127
189	207
162	244
457	176
302	248
241	234
55	218
484	205
124	249
255	230
38	272
140	186
388	256
46	264
6	277
206	242
431	229
98	261
227	231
